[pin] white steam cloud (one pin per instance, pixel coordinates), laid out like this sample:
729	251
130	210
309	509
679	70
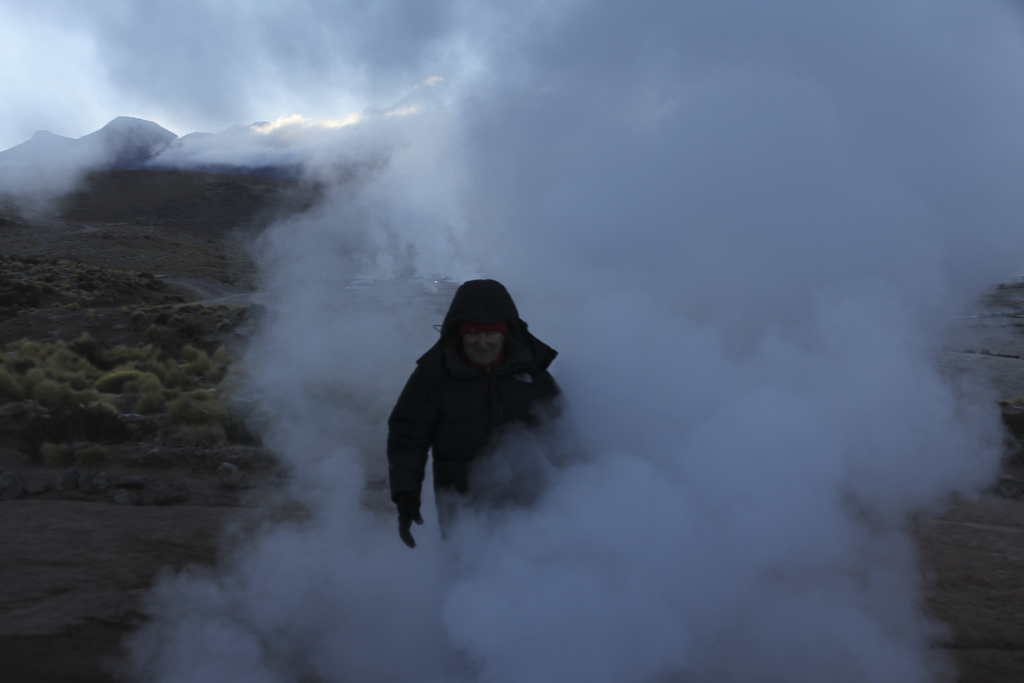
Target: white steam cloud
744	226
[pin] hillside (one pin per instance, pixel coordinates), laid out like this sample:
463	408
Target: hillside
212	204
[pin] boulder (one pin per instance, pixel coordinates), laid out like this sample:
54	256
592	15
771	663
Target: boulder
67	480
158	458
252	458
97	483
10	486
1009	487
231	476
131	481
164	492
127	497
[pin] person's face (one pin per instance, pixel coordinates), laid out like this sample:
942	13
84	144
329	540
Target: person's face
483	348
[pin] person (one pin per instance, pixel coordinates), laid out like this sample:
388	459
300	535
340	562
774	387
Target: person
486	373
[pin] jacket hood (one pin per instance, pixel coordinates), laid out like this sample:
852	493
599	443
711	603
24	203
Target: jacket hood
480	301
487	301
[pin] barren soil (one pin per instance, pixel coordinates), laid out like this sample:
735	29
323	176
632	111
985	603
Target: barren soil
73	564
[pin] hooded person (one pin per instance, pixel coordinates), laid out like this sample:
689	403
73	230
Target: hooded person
486	374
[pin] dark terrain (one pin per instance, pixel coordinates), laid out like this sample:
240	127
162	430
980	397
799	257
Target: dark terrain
120	318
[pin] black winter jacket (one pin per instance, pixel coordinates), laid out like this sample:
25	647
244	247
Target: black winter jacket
453	408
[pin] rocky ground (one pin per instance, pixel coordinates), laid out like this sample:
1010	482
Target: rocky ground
973	554
119	455
122	457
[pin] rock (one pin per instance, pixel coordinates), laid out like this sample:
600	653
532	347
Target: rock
158	457
29	407
126	497
24	415
36	486
164	492
67	480
98	483
10	486
252	458
131	481
1009	487
231	476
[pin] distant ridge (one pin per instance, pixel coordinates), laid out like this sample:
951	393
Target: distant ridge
125	143
132	144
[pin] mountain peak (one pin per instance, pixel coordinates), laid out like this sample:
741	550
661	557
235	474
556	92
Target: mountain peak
124	143
122	123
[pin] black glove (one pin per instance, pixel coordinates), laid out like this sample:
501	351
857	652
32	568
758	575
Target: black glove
408	504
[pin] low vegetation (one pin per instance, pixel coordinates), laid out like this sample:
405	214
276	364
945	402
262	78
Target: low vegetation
109	395
100	357
27	283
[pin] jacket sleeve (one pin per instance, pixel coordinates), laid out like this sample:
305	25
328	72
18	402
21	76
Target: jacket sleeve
410	434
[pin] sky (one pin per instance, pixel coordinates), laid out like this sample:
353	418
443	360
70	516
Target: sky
745	227
70	67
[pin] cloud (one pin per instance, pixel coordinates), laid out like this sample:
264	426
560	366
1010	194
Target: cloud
208	65
51	78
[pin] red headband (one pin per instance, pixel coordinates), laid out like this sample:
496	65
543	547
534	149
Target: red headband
466	327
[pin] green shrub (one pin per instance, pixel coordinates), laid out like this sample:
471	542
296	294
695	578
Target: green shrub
201	436
134	354
221	357
60	356
199	366
147	383
92	351
54	454
86	397
155	368
150	403
30	379
92	454
73	306
113	382
187	410
28	349
52	395
10	387
174	377
76	380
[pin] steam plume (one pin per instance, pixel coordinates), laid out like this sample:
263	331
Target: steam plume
744	227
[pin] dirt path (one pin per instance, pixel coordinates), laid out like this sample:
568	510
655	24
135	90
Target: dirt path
213	291
72	574
973	558
973	555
